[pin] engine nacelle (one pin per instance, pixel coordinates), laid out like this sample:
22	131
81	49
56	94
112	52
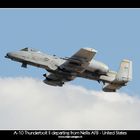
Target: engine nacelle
96	66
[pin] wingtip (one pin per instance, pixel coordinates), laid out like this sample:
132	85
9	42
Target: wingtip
90	49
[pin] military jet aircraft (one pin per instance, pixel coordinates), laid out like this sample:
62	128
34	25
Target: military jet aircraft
81	64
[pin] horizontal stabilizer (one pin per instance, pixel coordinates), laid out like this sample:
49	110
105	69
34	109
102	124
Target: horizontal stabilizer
111	87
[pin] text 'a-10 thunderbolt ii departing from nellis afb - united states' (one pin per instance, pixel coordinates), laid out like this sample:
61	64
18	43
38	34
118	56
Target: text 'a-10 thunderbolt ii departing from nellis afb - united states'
80	64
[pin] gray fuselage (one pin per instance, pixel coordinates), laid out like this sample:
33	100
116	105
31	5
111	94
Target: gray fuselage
53	64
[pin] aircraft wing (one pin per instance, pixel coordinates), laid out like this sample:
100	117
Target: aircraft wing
78	62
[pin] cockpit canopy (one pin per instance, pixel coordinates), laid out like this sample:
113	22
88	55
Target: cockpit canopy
30	49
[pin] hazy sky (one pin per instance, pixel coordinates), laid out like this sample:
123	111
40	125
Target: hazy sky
114	33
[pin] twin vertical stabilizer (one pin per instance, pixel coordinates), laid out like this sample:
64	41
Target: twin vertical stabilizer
125	72
123	76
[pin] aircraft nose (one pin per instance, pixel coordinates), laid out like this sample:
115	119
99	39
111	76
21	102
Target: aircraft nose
10	55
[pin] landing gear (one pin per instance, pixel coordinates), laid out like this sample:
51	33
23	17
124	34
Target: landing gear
24	65
101	82
45	75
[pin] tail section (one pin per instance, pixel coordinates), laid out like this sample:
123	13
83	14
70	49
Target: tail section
125	72
123	76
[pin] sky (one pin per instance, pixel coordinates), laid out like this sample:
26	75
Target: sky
114	33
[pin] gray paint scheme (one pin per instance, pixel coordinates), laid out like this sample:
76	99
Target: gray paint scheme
81	64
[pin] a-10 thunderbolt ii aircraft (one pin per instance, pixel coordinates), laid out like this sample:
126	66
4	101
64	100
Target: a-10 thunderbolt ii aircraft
81	64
